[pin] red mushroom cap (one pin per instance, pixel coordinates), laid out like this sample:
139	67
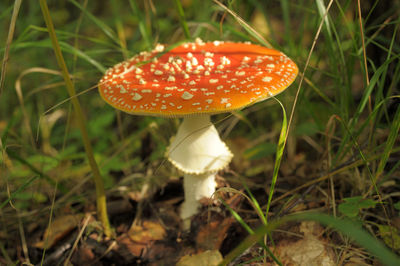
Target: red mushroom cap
213	77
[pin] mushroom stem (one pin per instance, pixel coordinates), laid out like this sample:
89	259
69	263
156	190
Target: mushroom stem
199	153
196	187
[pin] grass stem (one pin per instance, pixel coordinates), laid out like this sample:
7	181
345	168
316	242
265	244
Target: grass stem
182	19
100	192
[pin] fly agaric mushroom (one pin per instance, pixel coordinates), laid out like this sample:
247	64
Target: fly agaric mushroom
193	81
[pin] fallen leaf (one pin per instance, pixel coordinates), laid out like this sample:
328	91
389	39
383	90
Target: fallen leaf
58	229
140	238
84	255
211	235
310	250
148	231
206	258
133	248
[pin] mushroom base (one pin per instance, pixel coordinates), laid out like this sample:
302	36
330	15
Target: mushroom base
196	187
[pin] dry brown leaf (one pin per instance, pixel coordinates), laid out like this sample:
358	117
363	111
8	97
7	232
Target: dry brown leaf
85	255
212	234
310	250
134	248
148	231
58	229
206	258
141	238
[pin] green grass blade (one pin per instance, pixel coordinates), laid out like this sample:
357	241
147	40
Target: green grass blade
286	21
142	23
6	256
119	26
249	230
102	26
71	49
363	158
279	153
393	136
237	217
100	193
256	205
6	130
344	147
370	88
6	11
252	202
65	34
322	11
356	232
347	227
48	179
245	25
182	19
66	48
21	188
17	5
249	241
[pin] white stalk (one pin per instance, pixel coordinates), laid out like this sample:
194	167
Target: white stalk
196	187
199	153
